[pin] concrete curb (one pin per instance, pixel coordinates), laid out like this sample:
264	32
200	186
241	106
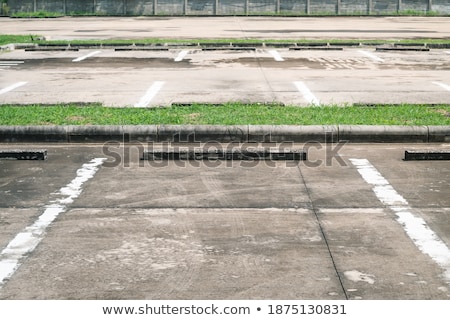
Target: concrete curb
208	46
221	133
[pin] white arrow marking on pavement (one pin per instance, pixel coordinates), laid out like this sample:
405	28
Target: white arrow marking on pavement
86	56
12	87
276	55
26	241
371	56
307	94
150	94
181	55
415	227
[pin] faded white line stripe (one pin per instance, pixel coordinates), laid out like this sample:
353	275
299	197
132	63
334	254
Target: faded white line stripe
442	85
371	56
150	94
276	55
26	241
415	227
307	94
86	56
12	87
447	52
11	62
181	55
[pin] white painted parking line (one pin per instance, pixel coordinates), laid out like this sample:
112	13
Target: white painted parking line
442	85
12	87
181	55
276	55
371	56
447	52
26	241
150	94
86	56
415	227
8	63
307	94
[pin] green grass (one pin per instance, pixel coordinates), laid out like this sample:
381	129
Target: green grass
150	41
11	38
5	39
37	14
225	114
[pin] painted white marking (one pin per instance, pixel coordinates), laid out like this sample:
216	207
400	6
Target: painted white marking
181	55
371	56
307	94
150	94
86	56
447	52
12	87
26	241
276	55
11	62
415	227
442	85
356	276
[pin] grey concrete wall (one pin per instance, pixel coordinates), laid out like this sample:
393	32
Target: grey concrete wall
229	7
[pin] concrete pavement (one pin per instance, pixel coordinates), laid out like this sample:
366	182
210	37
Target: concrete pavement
225	230
94	221
170	76
70	28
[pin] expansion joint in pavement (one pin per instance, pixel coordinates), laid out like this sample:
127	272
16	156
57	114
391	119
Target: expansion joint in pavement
324	236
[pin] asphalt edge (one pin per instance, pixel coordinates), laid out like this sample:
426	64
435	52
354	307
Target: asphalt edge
224	134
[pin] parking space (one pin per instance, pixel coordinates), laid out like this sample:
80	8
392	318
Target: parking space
354	221
147	78
332	227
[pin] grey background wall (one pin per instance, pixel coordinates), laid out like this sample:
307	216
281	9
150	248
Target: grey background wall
229	7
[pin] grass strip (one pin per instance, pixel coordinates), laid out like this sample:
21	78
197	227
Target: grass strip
38	14
11	38
160	41
6	39
225	114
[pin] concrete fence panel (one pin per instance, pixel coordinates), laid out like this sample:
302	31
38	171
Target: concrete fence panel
360	7
441	6
319	7
79	7
230	7
414	5
50	5
139	8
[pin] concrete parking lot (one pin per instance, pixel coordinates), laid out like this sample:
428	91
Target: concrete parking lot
148	78
226	230
193	74
353	221
239	27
